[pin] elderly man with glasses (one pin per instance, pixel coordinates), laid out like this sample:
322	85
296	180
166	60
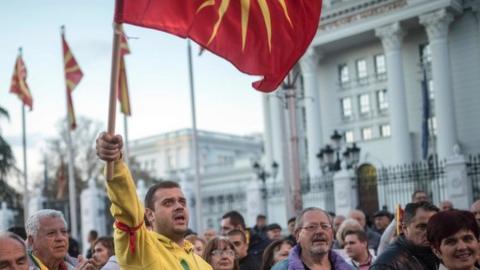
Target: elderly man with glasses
314	234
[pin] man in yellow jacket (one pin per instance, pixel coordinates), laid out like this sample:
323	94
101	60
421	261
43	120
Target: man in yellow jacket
166	210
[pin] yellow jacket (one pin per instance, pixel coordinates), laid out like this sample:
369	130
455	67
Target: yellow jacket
152	250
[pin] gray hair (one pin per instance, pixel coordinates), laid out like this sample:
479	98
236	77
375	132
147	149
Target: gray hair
32	226
299	220
6	235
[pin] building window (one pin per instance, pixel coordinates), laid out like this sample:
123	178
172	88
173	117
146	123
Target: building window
361	70
367	133
349	136
346	107
385	130
380	65
382	100
364	101
343	74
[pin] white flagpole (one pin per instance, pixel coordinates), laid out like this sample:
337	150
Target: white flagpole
198	197
72	193
126	152
25	172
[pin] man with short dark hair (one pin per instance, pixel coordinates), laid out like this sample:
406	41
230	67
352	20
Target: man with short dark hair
274	231
381	219
314	232
410	251
163	247
291	230
373	237
420	196
260	225
246	261
13	252
234	220
356	247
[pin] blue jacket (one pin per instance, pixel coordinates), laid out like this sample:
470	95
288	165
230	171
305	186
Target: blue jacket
294	261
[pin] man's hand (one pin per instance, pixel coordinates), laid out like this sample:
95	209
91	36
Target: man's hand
84	264
109	148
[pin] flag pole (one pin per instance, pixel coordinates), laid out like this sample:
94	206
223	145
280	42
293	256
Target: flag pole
290	95
25	173
126	154
198	198
113	89
72	193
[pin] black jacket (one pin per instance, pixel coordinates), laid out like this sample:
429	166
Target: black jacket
403	255
250	263
257	245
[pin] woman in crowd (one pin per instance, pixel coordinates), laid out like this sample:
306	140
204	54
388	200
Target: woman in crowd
275	252
220	254
198	244
453	236
104	254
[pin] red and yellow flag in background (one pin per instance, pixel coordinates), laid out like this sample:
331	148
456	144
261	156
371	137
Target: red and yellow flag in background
260	37
19	84
73	75
122	85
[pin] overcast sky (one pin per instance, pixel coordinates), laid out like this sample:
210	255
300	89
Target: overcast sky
157	72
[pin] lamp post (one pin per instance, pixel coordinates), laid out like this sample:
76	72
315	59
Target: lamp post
329	157
263	175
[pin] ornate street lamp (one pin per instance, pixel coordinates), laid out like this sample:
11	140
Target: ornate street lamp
329	157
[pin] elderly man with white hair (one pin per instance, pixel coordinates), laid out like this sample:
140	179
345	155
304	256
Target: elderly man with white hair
47	239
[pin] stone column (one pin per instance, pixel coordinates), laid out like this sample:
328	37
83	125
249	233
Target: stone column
436	24
6	217
256	203
391	36
458	186
346	194
309	64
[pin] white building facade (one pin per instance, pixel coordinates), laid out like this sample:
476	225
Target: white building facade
362	76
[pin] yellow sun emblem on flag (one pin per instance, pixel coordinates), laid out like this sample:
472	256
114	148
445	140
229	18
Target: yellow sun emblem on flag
245	12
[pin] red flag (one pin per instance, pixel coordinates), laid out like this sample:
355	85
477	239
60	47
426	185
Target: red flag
73	75
259	37
19	84
122	87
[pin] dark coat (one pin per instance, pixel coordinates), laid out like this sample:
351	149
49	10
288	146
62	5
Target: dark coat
403	255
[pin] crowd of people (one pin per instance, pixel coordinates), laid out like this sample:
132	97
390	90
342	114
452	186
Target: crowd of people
155	235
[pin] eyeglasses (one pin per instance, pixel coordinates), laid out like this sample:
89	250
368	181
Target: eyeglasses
314	227
225	252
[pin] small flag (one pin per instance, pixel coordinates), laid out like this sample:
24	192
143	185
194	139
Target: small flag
399	218
264	38
73	75
122	87
19	84
425	115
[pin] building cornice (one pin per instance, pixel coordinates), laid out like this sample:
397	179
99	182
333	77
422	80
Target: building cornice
412	9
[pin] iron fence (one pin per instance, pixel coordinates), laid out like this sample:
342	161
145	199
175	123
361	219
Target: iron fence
396	184
473	172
